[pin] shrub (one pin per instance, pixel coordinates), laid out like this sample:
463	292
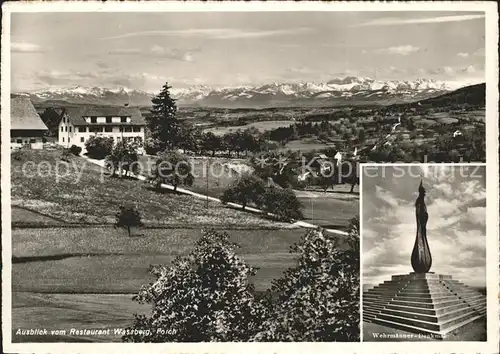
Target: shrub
123	157
318	300
281	203
66	155
248	189
151	146
98	147
75	150
172	167
18	154
128	217
203	297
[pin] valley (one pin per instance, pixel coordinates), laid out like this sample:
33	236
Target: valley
427	127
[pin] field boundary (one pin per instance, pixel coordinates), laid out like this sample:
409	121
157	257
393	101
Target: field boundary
27	225
54	218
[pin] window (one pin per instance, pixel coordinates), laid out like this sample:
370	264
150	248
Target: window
93	119
137	129
70	129
95	129
63	139
108	119
128	129
108	129
121	129
82	129
62	128
19	141
69	140
123	119
82	139
32	141
65	129
118	138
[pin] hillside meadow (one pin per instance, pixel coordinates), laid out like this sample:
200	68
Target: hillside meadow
107	260
82	193
262	126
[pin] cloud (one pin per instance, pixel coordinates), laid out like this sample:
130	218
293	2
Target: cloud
290	45
108	78
400	21
57	76
158	51
125	51
214	33
479	53
460	72
102	64
24	47
176	54
400	50
477	215
471	69
463	55
448	70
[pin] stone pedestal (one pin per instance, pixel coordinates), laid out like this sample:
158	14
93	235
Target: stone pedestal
426	303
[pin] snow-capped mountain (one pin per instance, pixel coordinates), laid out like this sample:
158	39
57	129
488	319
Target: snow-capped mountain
348	90
93	95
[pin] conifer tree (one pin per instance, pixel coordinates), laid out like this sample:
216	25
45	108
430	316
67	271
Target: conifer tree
166	130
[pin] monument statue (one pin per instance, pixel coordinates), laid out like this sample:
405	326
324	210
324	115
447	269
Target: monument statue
421	259
422	301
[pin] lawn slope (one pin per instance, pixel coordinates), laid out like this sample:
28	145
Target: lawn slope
84	194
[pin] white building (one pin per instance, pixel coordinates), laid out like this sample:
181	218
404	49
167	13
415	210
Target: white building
120	123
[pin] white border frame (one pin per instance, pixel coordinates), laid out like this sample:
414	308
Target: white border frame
491	71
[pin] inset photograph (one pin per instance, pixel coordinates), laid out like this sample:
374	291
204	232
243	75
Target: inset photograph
423	230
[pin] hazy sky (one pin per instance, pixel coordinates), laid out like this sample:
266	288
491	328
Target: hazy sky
456	230
143	50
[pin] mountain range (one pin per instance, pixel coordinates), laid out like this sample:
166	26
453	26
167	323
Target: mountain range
338	91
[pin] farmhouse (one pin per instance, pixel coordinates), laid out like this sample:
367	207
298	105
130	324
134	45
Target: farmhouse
120	123
26	126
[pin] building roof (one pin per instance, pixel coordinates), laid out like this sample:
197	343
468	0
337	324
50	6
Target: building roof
23	115
76	114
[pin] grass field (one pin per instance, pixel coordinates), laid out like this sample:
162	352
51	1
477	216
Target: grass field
105	260
86	196
305	145
26	216
447	120
107	240
261	126
96	261
212	176
332	209
66	311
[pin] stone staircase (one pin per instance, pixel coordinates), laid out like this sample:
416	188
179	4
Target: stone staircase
428	304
